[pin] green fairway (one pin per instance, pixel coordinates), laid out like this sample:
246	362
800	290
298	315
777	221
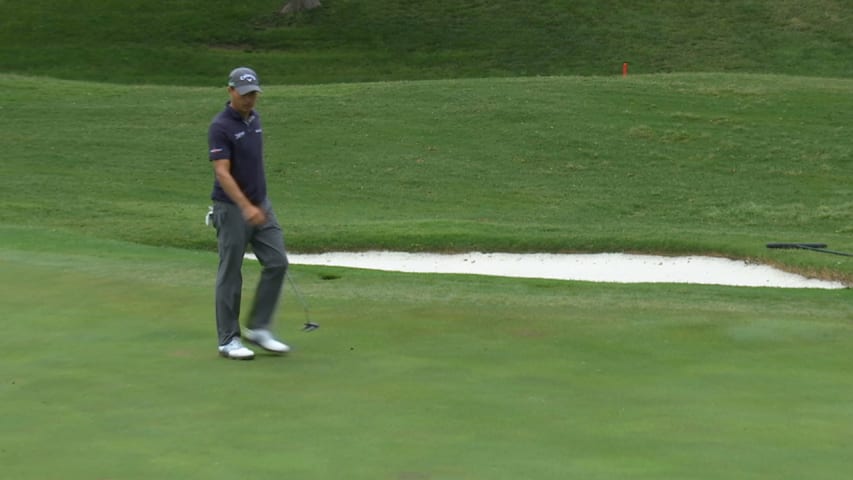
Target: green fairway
110	371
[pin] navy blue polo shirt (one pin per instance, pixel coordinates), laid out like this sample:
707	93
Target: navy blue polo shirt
230	137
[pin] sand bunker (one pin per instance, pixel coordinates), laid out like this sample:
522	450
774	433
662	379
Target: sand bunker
599	267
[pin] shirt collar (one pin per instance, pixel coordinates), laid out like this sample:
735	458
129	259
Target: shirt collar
236	115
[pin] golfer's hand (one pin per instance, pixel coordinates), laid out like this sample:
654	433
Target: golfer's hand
254	216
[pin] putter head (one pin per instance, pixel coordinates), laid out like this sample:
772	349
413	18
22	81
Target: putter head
310	326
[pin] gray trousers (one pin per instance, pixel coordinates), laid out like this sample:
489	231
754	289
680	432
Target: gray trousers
234	234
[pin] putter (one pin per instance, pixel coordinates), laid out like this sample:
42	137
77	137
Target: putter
309	325
814	247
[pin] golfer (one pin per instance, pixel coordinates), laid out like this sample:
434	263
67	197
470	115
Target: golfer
242	215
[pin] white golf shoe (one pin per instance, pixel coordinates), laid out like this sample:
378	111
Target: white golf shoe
235	350
264	339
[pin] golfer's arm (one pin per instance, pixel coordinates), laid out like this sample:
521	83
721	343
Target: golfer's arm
222	168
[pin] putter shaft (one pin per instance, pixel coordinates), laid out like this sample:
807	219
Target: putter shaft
309	325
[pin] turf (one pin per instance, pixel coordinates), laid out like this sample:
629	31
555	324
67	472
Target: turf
109	372
190	41
678	163
428	126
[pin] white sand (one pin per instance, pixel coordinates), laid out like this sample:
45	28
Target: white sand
601	267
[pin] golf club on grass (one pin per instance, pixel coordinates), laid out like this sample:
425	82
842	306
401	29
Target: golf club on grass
815	247
309	325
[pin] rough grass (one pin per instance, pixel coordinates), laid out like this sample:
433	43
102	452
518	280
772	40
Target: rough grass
707	163
192	41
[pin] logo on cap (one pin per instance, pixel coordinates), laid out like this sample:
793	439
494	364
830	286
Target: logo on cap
244	80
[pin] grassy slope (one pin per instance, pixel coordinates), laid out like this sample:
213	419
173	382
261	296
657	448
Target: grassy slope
411	376
672	163
192	41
